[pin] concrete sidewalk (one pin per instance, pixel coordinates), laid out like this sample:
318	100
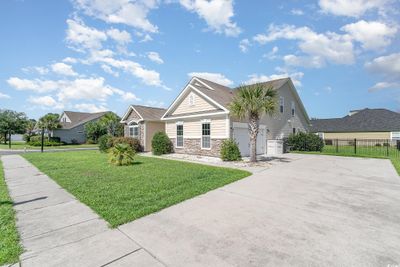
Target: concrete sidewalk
57	230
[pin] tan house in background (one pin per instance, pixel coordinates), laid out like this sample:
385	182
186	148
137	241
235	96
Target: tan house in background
360	124
143	122
198	120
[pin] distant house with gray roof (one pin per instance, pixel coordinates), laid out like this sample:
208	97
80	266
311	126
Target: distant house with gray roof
360	124
73	126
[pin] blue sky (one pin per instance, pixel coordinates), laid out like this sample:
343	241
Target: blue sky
93	55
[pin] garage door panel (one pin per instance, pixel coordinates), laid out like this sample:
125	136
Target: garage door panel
241	136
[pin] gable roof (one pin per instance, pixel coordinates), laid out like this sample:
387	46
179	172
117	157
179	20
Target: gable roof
224	95
79	118
145	112
366	120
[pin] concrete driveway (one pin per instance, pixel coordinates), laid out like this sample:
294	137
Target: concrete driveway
304	211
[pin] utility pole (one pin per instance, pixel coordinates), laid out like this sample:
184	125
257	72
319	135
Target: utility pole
41	149
9	138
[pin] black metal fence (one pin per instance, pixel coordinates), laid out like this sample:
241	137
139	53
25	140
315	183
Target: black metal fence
363	147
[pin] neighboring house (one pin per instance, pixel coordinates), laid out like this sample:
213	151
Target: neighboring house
360	124
143	122
73	126
198	120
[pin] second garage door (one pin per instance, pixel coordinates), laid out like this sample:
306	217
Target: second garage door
241	135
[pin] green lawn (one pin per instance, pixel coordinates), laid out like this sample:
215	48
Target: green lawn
10	248
362	151
123	194
23	145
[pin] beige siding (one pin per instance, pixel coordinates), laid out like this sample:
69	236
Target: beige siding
200	104
192	127
358	135
151	129
281	125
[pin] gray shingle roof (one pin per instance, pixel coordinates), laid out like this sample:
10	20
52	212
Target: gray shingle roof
149	113
78	118
366	120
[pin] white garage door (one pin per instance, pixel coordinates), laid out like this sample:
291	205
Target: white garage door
241	135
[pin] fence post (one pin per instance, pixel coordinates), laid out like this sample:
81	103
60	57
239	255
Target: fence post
387	148
355	146
337	145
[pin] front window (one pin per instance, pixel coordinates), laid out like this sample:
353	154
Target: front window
179	135
205	135
281	104
134	130
294	130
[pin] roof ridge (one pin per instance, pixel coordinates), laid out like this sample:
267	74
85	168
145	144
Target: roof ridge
146	106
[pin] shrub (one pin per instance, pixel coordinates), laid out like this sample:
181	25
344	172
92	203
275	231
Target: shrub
305	142
38	138
161	144
91	141
230	150
122	154
105	142
74	142
55	139
378	144
134	143
386	144
46	143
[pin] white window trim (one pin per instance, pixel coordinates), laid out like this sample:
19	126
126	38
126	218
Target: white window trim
132	126
176	131
201	138
293	110
282	103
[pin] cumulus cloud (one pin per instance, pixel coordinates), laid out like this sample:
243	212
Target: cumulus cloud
36	85
109	70
244	45
217	14
90	107
297	12
121	37
354	8
388	68
373	35
80	37
39	70
45	101
128	12
214	77
272	54
258	78
155	57
63	69
321	47
4	96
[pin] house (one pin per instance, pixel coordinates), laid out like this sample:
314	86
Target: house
143	122
198	120
360	124
73	126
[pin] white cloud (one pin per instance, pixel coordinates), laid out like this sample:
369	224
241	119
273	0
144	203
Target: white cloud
272	54
297	12
70	60
214	77
81	37
109	70
373	35
45	101
63	69
121	37
353	8
307	61
326	47
4	96
131	13
37	85
258	78
388	67
244	45
155	57
89	107
146	38
126	96
217	14
39	70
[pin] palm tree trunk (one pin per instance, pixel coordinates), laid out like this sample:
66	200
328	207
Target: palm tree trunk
253	132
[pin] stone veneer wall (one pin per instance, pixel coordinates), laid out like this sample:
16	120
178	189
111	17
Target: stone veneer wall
192	146
141	132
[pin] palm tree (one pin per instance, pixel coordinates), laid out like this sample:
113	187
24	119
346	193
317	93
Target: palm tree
49	122
122	154
250	103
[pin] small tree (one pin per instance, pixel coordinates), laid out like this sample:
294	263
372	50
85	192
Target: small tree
121	155
230	151
30	129
250	103
94	130
50	122
12	122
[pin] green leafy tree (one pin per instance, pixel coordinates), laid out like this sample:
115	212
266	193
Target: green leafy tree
249	104
50	122
30	129
12	122
121	155
111	122
94	130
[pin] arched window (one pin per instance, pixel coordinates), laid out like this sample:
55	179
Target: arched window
134	130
